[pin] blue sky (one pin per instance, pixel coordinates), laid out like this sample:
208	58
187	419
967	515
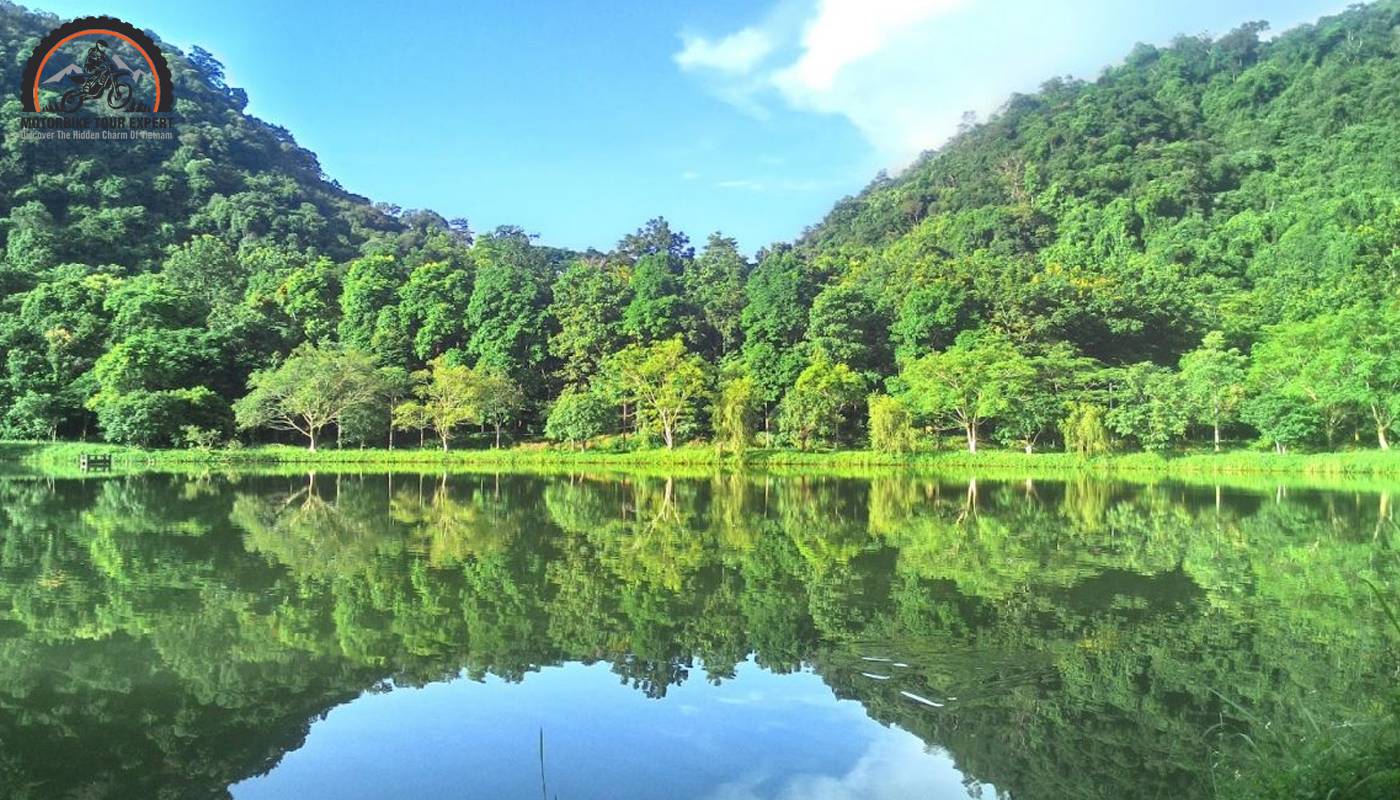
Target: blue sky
579	120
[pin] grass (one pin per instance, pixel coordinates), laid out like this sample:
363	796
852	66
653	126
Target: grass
1238	465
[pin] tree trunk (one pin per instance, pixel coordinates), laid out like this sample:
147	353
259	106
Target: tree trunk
312	436
668	435
1217	437
971	430
1030	448
1380	437
444	442
498	436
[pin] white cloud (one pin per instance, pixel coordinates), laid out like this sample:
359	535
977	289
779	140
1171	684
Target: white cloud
737	53
896	765
903	72
846	31
835	59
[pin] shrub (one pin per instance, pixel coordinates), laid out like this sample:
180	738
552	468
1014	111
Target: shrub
1084	430
578	416
891	429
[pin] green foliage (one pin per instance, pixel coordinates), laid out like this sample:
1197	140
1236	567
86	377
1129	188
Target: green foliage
433	304
844	322
411	415
1149	405
665	382
448	397
589	297
658	310
506	314
578	415
736	409
207	268
778	293
1060	378
975	380
313	388
1213	381
1084	431
498	399
1284	421
159	418
1226	206
818	408
930	317
367	301
716	284
891	425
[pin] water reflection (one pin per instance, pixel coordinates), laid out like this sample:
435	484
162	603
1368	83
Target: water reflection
172	636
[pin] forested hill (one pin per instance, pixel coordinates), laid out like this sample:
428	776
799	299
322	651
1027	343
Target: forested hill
1227	183
1205	241
126	204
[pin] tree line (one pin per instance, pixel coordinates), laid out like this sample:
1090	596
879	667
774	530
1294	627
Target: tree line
1312	383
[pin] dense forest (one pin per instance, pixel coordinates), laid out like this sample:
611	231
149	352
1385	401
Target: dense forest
165	636
1203	244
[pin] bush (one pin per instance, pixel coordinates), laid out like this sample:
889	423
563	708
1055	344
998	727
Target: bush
891	428
1084	430
813	412
158	419
735	411
578	416
198	438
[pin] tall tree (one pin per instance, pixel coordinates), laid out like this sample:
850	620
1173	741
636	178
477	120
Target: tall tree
975	380
588	301
715	285
498	399
665	381
815	411
1148	403
433	303
448	398
844	322
314	387
658	308
736	407
507	313
1213	378
779	292
369	289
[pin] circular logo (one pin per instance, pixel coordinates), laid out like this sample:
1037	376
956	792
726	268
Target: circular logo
101	64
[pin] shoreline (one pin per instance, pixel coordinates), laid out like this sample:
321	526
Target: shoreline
63	457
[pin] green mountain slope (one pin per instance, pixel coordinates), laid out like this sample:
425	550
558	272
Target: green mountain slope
226	173
1229	183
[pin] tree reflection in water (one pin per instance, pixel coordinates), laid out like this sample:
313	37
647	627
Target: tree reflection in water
167	636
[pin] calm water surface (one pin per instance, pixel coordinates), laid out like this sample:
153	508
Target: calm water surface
732	638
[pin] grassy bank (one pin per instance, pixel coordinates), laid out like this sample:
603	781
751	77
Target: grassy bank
62	455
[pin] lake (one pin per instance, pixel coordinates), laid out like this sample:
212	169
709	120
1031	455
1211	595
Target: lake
725	638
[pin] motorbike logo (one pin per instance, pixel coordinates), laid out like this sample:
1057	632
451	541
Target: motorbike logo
101	63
